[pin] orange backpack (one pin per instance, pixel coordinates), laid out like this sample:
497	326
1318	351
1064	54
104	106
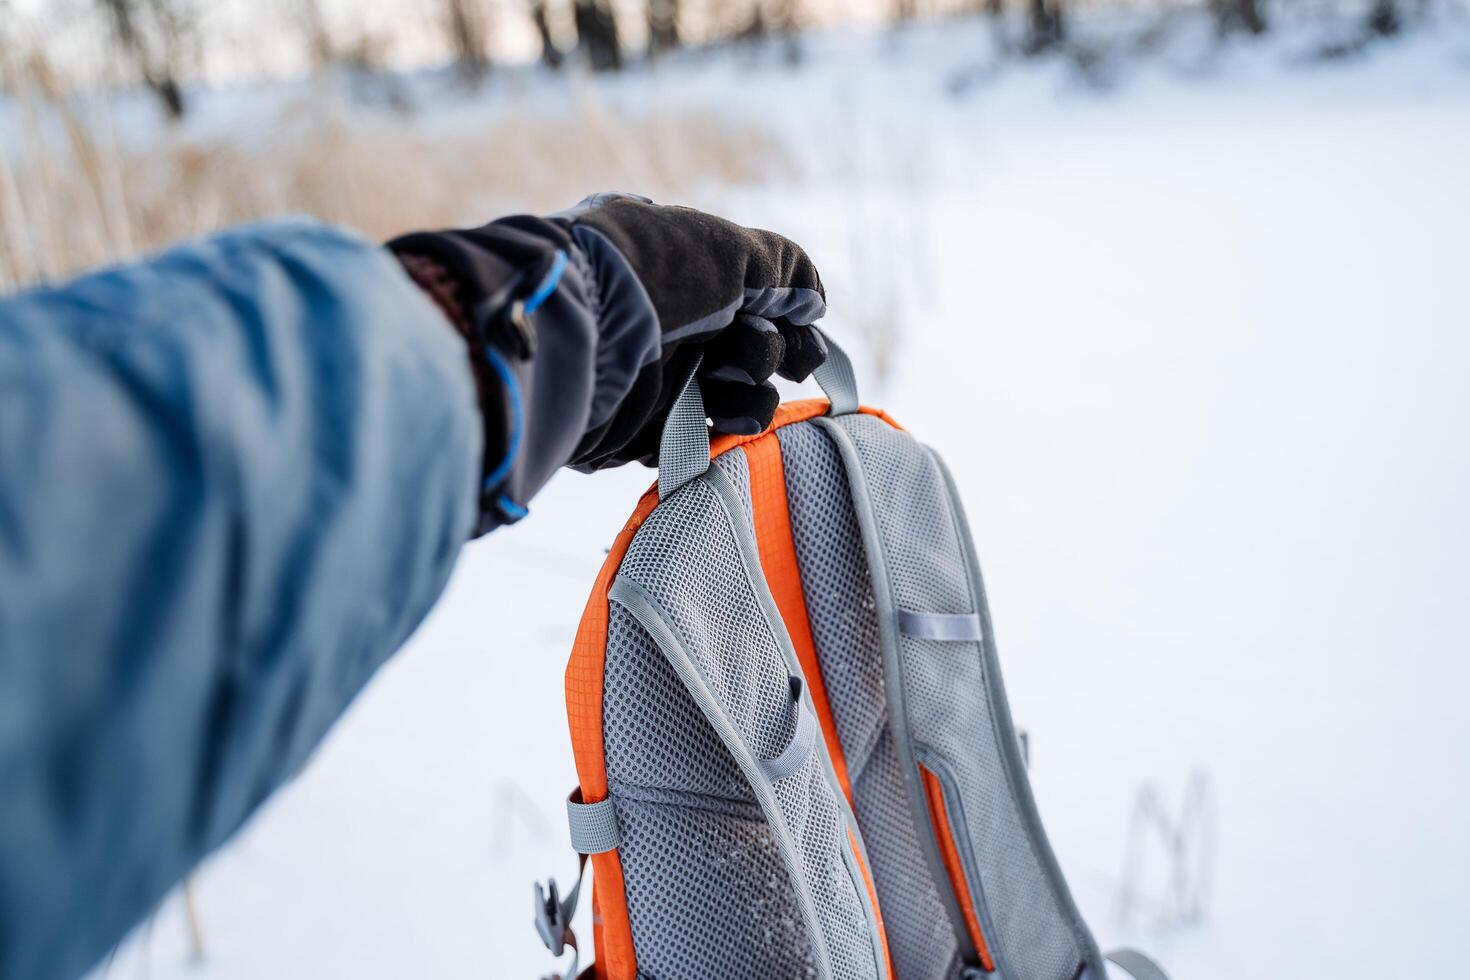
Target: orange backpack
793	749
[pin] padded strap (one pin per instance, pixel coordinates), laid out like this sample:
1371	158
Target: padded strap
796	751
683	449
939	626
1140	967
594	826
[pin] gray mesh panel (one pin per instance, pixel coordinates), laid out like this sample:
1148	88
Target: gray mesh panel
839	601
708	896
834	580
697	801
812	814
920	933
687	560
654	733
950	718
735	465
685	557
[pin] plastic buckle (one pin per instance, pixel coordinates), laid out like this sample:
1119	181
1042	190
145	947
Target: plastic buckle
551	920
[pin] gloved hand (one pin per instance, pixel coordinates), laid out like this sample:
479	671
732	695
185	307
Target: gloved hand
583	325
743	297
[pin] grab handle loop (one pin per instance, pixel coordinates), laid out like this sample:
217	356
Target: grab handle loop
836	377
683	450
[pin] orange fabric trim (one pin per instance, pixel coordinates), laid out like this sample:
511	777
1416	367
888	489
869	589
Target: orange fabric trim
788	413
612	934
934	793
872	897
879	413
772	520
596	971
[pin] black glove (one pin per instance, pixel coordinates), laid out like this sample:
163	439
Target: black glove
743	297
583	325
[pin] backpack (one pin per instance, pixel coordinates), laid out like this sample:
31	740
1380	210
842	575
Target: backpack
792	744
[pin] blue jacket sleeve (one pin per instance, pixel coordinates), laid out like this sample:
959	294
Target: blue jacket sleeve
233	479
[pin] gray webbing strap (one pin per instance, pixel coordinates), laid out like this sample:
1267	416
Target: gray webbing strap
683	449
837	379
939	626
796	751
1138	965
594	826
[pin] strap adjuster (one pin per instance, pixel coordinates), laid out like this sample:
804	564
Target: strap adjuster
594	826
551	918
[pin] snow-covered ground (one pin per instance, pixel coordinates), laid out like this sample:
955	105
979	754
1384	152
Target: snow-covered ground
1196	349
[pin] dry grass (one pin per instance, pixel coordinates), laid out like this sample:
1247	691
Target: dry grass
75	196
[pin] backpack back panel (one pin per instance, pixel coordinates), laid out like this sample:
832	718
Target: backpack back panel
785	682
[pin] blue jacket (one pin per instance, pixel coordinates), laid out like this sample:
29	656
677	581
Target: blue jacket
233	479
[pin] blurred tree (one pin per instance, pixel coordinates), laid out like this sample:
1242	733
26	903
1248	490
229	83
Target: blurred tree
597	34
787	16
787	20
904	10
719	21
663	26
466	24
1383	19
1238	15
1045	25
159	37
551	55
319	44
772	17
345	42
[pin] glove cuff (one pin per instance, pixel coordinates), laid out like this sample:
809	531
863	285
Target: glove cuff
527	302
444	290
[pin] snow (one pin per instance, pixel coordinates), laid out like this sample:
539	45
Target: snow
1195	348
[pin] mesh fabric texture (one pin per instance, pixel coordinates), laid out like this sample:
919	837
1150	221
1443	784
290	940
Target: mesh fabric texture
714	872
687	560
685	557
737	468
654	734
708	896
839	600
949	710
